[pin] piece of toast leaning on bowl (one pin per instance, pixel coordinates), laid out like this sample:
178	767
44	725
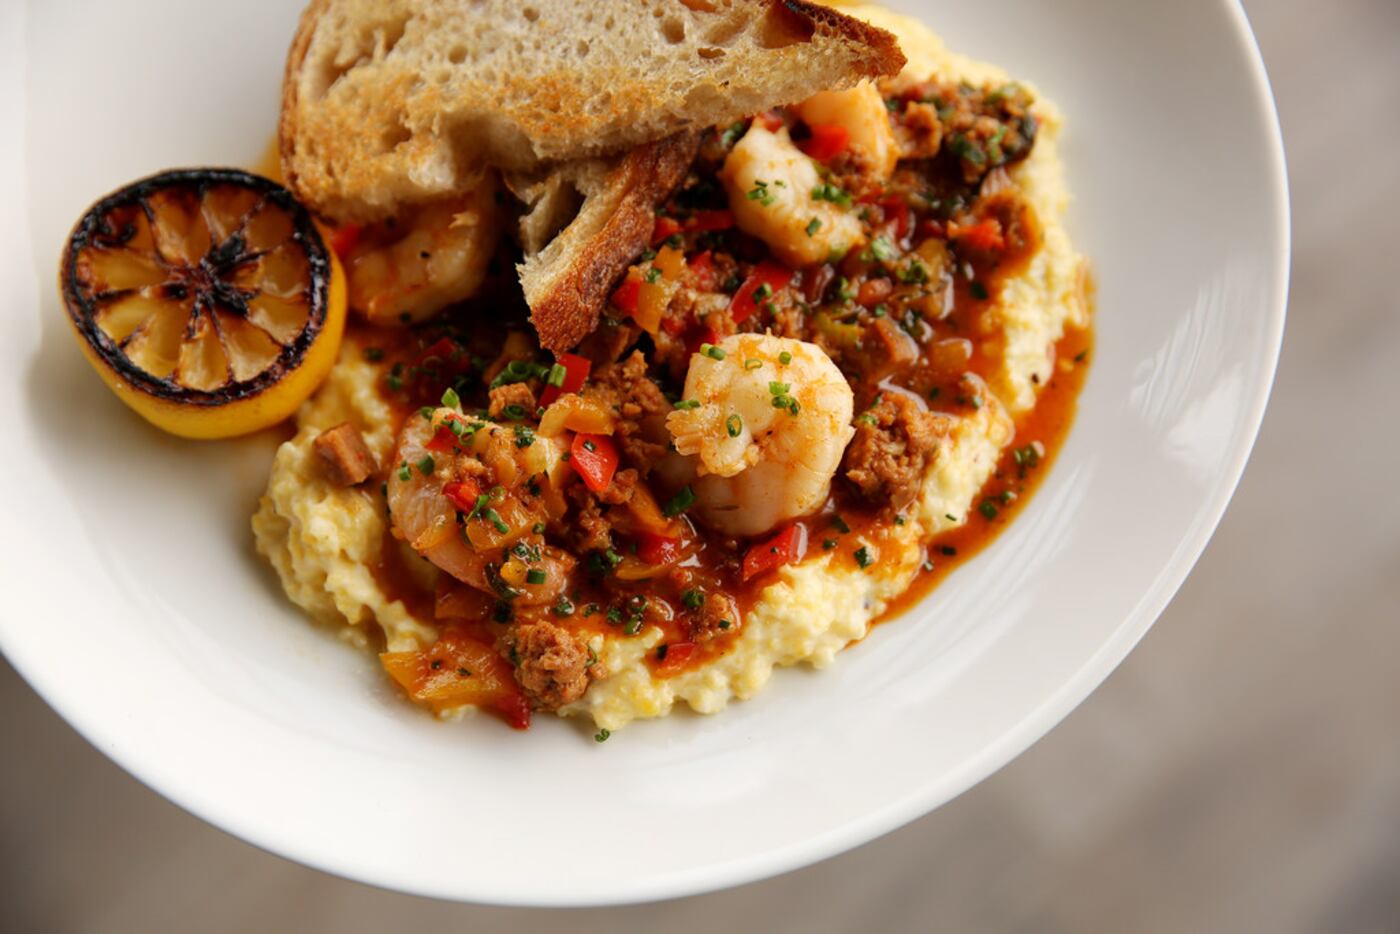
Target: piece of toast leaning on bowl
630	349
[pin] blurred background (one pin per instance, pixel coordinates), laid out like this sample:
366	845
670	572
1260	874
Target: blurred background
1240	772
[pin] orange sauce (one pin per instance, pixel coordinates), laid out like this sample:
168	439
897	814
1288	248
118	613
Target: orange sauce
1047	424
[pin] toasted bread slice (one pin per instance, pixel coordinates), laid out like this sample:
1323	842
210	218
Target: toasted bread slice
566	283
388	102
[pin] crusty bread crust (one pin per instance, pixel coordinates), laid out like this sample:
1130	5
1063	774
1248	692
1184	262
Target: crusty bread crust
393	102
567	284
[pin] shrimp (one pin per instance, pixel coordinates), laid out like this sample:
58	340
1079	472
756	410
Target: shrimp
861	112
771	419
406	271
773	191
466	496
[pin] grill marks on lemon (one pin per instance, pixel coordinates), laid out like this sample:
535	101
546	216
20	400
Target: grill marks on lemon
206	299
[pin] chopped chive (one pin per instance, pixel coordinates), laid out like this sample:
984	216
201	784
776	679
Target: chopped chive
734	425
863	559
556	375
978	290
778	389
839	524
404	473
693	599
883	249
813	225
426	465
679	503
602	736
535	576
784	358
450	398
685	404
829	543
988	509
374	354
493	517
763	291
652	275
753	363
713	352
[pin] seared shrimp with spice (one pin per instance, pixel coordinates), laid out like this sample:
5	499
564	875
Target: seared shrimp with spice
764	421
474	497
405	272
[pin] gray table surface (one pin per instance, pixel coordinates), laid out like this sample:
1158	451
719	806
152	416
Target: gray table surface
1240	772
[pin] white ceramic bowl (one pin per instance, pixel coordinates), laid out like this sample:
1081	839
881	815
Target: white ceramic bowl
135	604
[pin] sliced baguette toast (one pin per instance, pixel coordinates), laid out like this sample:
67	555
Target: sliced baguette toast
566	282
390	102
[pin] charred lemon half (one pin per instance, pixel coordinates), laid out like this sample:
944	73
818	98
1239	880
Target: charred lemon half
206	300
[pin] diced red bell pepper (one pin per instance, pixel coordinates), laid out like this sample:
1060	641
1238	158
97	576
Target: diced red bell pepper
928	227
828	141
462	494
444	439
699	336
702	267
658	549
897	210
772	274
575	373
343	239
594	458
984	235
663	228
625	298
702	221
514	709
677	654
444	349
784	548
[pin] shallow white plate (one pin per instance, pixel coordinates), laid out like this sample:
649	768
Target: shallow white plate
135	605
